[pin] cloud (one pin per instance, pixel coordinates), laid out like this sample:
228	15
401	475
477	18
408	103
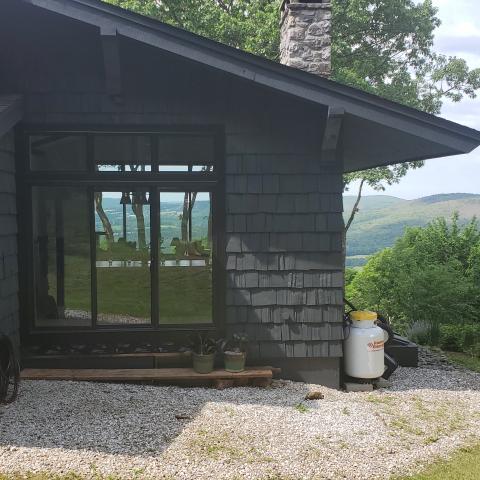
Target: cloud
459	45
465	112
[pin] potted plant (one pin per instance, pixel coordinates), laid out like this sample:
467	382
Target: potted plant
203	354
235	352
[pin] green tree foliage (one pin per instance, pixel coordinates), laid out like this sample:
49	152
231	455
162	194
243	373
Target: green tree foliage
429	275
250	25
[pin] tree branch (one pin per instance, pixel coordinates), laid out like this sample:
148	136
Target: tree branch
355	207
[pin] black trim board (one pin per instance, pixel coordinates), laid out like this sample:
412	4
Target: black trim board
11	112
267	73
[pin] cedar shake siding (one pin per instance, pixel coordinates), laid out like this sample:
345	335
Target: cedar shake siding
284	254
9	318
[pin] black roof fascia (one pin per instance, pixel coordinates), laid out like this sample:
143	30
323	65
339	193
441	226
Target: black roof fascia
266	72
11	112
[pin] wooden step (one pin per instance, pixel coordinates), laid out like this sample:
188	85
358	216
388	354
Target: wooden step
108	360
143	374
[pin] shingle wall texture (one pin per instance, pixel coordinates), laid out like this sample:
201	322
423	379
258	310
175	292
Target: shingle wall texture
8	240
284	253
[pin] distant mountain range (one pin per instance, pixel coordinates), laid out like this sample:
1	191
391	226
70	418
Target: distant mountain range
383	218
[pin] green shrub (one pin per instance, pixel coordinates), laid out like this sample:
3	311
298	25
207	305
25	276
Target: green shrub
431	275
460	337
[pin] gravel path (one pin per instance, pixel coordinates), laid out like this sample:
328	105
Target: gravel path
242	433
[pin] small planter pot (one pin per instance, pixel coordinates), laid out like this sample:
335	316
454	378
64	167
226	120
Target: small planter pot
203	363
235	361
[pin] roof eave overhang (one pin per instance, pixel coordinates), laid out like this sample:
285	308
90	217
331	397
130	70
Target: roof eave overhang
288	80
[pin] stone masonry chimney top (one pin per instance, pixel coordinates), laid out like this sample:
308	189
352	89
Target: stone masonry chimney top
305	35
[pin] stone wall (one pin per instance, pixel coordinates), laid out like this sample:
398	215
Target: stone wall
305	37
9	322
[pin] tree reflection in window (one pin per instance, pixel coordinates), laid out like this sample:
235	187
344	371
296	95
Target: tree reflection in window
123	257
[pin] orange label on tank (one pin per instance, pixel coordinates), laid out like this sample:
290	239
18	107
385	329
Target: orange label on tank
375	346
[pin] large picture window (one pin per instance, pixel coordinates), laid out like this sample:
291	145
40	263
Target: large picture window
130	251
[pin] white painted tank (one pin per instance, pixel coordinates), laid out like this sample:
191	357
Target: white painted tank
364	352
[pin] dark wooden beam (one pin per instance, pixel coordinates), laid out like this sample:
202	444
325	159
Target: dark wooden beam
11	112
111	61
332	133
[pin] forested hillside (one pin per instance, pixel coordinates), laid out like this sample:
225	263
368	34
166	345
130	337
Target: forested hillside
382	219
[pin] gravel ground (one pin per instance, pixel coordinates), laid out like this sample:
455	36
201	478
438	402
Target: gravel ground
241	433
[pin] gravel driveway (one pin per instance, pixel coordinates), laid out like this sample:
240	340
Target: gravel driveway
242	433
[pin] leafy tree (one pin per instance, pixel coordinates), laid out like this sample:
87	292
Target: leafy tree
250	25
382	46
385	47
427	276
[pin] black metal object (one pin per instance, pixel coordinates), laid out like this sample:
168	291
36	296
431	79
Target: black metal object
403	350
390	366
9	371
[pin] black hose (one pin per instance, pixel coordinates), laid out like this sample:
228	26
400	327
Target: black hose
9	371
386	328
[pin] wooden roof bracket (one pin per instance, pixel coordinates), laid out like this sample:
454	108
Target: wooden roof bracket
331	142
112	64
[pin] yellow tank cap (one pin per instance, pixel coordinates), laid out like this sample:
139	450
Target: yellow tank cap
360	315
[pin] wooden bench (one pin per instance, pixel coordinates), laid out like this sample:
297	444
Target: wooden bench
256	376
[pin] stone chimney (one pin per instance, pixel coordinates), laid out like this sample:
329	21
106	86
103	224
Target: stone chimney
305	40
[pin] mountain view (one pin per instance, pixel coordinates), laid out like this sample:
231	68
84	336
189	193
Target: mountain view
382	219
379	222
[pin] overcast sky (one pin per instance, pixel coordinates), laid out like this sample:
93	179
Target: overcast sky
458	35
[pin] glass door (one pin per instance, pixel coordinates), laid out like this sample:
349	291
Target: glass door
123	257
185	258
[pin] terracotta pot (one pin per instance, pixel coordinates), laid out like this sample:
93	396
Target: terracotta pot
203	363
235	361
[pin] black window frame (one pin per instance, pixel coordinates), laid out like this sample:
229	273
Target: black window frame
155	182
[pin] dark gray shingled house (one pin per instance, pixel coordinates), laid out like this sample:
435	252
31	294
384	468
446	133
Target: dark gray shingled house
154	183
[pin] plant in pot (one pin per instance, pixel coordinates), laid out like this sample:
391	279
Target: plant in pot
235	353
203	353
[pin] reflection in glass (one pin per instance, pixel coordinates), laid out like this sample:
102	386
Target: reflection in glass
185	153
122	153
61	244
61	152
185	269
122	230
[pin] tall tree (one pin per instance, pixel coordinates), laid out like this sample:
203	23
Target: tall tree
103	217
382	46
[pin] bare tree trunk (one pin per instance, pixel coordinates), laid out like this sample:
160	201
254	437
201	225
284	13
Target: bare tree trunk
347	226
137	209
193	198
188	204
349	222
107	226
209	228
184	217
355	206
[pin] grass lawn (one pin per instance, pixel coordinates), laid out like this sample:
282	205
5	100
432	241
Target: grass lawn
185	293
464	465
468	361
